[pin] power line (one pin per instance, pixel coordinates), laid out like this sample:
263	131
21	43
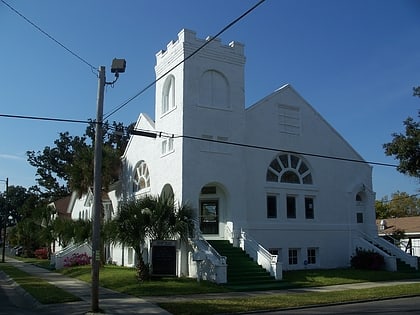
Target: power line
49	36
185	59
155	134
48	118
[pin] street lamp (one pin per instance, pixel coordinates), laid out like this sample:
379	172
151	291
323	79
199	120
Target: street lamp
117	67
4	219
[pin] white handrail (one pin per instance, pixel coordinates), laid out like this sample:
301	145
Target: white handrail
210	264
394	250
261	255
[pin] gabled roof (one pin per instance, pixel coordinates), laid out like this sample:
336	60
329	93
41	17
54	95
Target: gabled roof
62	207
410	225
144	122
288	90
89	198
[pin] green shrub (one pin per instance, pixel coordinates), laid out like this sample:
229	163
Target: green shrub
367	259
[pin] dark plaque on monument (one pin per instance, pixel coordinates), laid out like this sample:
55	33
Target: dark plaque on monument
164	258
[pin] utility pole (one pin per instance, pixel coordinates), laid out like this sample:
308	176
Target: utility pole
118	66
97	192
5	217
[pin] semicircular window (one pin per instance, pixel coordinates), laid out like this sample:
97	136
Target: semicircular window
141	179
288	168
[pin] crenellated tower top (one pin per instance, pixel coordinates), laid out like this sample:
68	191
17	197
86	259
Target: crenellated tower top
187	43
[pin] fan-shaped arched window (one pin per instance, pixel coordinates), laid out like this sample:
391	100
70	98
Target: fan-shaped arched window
141	179
288	168
168	94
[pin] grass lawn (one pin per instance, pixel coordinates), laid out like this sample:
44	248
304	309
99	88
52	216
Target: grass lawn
305	278
124	280
282	301
41	290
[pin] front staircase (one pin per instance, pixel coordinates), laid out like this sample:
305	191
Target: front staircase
401	265
243	274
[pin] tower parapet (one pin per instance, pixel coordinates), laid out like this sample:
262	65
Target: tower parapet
187	43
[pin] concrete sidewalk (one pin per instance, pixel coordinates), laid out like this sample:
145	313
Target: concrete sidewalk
110	302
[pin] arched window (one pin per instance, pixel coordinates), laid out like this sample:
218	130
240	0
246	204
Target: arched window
168	94
288	168
141	179
214	90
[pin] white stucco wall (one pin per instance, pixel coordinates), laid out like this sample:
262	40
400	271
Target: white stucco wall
281	121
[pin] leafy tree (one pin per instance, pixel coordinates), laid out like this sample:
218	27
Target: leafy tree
63	231
31	219
82	230
406	147
68	165
404	205
400	205
382	208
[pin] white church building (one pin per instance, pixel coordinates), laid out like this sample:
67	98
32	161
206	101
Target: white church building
274	178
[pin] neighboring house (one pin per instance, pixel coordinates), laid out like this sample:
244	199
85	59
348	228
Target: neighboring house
274	178
60	209
82	209
410	243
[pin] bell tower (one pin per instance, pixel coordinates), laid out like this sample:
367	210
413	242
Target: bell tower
202	96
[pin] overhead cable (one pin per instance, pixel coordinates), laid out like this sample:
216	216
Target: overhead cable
49	36
48	118
154	134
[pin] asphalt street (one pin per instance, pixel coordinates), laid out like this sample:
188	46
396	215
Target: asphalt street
400	306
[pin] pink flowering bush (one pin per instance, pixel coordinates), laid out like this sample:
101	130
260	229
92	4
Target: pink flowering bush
41	253
77	259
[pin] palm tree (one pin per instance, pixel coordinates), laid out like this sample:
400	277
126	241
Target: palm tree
130	230
151	218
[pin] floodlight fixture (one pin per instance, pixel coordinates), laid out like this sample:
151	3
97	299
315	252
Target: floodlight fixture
118	65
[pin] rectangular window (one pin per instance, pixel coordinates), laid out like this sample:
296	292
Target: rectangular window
359	217
170	144
208	190
164	146
291	207
130	256
271	207
309	208
293	256
311	259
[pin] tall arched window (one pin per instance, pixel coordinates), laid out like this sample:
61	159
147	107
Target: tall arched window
168	94
141	178
214	90
288	168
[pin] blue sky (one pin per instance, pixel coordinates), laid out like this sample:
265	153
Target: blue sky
354	61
